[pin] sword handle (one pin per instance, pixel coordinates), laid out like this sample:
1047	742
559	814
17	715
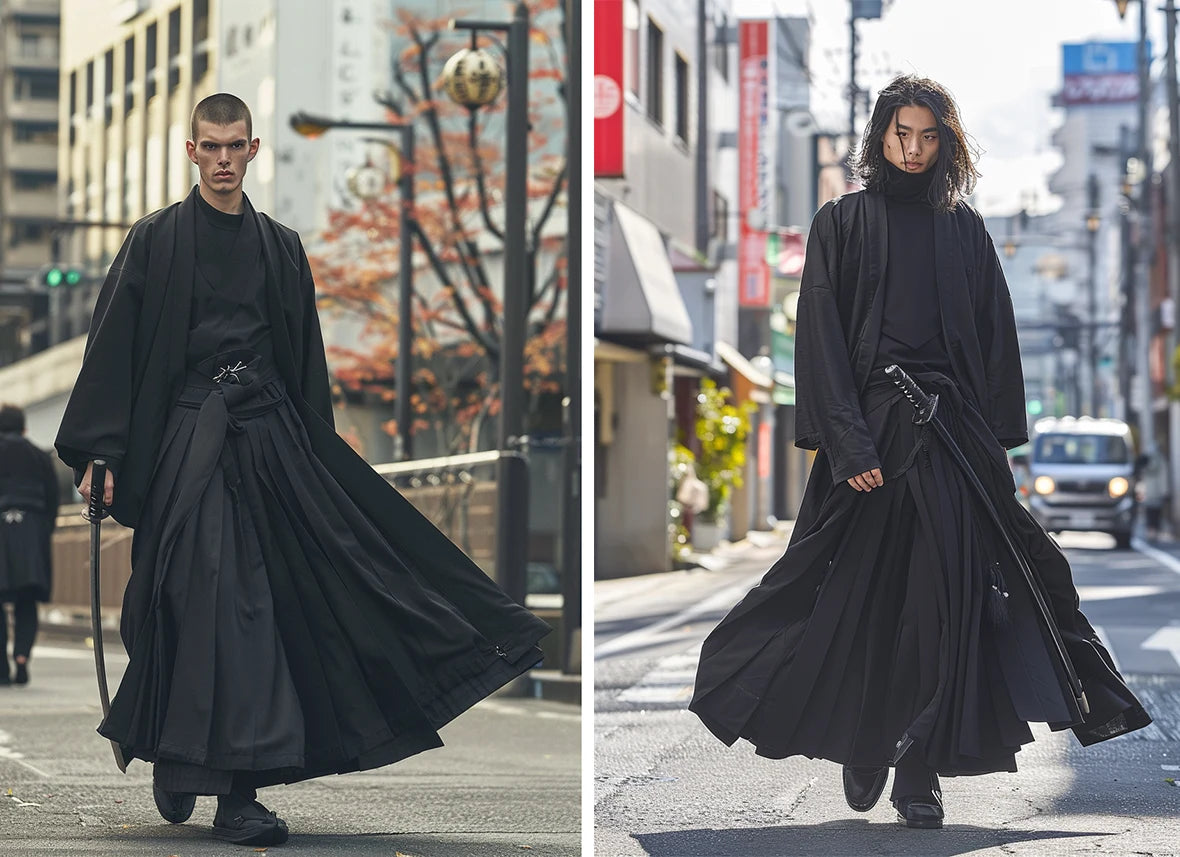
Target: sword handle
98	486
924	405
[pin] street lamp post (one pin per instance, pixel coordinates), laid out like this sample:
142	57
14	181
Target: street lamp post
512	488
1093	222
311	126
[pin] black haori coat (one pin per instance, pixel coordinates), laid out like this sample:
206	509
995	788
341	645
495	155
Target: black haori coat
28	514
872	634
132	378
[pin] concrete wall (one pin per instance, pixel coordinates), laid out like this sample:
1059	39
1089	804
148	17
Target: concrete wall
631	497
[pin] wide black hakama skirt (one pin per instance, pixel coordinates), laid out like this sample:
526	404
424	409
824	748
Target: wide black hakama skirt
884	628
271	628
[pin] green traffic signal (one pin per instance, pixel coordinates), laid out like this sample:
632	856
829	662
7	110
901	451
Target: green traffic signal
61	276
1035	407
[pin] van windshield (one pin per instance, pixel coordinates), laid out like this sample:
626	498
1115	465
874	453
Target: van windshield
1081	449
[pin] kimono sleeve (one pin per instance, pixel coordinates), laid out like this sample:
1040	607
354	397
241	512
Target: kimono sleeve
317	387
827	411
98	414
1006	408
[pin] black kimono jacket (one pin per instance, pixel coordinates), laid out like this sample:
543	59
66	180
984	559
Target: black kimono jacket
134	369
842	319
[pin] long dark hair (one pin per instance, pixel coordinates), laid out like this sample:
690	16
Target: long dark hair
954	171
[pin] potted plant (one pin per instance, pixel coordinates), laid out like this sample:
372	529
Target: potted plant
721	429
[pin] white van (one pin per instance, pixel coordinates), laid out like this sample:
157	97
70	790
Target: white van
1082	473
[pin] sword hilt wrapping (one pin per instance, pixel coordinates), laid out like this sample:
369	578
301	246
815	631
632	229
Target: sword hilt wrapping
98	486
924	405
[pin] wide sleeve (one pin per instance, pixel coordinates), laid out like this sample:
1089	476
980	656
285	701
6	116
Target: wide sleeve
317	385
98	414
827	410
1006	408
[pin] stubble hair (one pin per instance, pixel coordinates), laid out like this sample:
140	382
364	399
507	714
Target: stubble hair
954	171
222	109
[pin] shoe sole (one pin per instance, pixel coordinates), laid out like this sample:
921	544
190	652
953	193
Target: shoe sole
183	814
920	823
265	834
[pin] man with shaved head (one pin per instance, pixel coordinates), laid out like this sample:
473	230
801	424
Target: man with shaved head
289	614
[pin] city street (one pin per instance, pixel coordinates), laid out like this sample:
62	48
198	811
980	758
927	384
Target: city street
665	786
507	782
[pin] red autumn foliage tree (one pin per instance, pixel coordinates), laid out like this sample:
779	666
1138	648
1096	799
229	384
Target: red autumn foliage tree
459	187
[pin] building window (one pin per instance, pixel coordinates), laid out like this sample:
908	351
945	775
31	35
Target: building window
89	88
720	229
73	106
173	49
153	40
26	232
34	181
655	72
681	98
108	85
721	47
128	74
36	85
200	36
631	46
35	132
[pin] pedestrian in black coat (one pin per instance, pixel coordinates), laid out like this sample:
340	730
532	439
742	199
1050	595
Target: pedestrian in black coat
289	614
896	630
28	514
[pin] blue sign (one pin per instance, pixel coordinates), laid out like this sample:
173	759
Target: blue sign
1102	58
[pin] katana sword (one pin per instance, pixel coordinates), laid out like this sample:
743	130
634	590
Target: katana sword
926	413
95	512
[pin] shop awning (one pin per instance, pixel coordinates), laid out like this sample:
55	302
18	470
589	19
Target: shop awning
641	300
758	383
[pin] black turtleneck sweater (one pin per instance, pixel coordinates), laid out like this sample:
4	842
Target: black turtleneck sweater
911	326
229	296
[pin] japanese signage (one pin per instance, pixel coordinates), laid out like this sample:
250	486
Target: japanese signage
753	163
1100	73
608	88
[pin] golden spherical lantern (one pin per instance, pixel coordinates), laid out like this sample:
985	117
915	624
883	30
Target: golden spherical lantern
473	78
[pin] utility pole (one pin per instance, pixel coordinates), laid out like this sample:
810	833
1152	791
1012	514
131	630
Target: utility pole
1173	245
1143	254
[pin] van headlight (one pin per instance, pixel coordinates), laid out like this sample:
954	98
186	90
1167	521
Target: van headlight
1118	487
1044	485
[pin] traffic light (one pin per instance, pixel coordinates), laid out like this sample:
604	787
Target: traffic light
61	275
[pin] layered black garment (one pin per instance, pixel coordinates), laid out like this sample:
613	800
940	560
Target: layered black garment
28	514
884	629
289	614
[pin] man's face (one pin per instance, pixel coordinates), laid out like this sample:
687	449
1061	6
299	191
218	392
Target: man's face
911	143
221	153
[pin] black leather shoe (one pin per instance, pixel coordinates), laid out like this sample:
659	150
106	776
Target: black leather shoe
863	786
247	823
22	674
176	807
922	811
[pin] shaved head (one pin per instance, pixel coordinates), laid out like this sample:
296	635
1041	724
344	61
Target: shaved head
222	109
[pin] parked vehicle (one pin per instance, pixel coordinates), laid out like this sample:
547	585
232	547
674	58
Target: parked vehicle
1083	473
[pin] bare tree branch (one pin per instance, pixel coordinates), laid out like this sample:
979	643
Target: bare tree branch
473	139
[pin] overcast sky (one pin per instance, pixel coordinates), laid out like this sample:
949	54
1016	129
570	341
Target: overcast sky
1000	58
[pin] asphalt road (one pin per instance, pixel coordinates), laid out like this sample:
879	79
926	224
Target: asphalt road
507	783
665	786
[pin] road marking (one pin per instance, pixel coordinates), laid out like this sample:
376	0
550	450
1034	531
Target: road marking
637	639
1162	557
496	707
1108	593
7	752
670	681
61	653
1106	644
1166	639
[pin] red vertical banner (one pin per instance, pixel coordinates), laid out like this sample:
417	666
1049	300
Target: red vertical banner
753	163
608	88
